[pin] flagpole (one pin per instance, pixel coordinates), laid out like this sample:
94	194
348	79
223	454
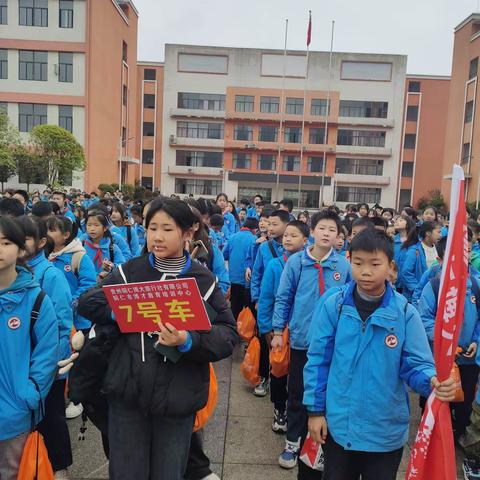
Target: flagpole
325	135
282	102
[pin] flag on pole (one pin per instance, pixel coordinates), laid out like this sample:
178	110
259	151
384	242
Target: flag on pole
433	455
309	29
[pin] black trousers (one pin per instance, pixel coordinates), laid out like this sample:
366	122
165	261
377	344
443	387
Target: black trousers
54	428
341	464
198	465
278	392
461	411
296	412
239	298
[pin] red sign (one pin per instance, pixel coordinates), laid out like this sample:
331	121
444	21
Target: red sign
140	307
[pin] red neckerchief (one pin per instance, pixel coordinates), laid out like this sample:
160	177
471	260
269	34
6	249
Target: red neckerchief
321	282
285	256
98	258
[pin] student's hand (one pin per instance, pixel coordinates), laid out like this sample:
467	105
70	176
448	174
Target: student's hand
261	239
248	274
170	336
317	427
64	366
444	391
471	350
107	265
268	338
277	342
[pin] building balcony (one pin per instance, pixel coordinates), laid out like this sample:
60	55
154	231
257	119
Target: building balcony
175	141
194	113
365	180
367	122
201	171
356	150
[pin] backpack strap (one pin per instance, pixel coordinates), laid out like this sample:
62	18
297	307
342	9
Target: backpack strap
111	251
76	260
272	249
129	234
34	314
475	291
435	283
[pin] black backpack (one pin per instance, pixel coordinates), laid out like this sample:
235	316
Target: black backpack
435	283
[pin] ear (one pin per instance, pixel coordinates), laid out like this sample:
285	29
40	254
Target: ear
188	234
42	243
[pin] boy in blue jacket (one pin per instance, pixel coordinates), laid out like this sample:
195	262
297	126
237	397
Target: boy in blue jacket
305	278
262	236
294	240
367	344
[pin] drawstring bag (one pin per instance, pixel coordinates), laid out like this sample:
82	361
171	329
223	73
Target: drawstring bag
459	395
251	363
246	324
280	358
203	415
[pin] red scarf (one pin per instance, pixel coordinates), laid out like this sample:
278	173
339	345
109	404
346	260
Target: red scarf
98	258
321	282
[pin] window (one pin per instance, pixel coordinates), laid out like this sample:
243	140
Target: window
359	166
148	100
269	104
412	113
189	158
358	194
124	52
3	12
30	115
466	153
318	107
3	64
308	198
473	68
147	182
200	130
468	111
65	117
65	67
187	186
149	74
293	135
315	164
148	129
65	14
291	163
354	108
294	106
32	65
414	86
268	133
407	169
243	132
410	140
266	162
317	136
405	198
147	157
250	192
65	177
3	108
361	138
201	101
39	177
33	13
125	95
244	103
242	160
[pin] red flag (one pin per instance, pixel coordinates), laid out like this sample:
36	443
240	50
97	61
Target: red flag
433	455
309	29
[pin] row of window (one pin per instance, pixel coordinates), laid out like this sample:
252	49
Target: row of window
32	114
34	13
351	194
33	65
269	133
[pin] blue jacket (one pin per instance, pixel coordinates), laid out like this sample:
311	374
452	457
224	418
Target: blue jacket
399	257
122	245
229	223
18	363
133	246
80	281
414	266
470	332
357	374
299	290
218	238
264	255
235	252
427	275
252	253
140	229
56	287
252	212
268	292
105	253
219	269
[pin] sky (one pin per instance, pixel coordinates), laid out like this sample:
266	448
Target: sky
421	29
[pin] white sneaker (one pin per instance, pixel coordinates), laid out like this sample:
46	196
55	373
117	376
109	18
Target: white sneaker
261	390
62	475
73	411
212	476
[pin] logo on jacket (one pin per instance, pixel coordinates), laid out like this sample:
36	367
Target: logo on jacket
67	268
391	341
337	276
473	299
14	323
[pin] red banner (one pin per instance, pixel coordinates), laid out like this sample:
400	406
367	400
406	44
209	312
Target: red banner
140	307
433	455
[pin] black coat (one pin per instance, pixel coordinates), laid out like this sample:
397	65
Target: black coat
159	386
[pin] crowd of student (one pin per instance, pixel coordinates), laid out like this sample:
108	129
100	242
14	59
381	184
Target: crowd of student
357	290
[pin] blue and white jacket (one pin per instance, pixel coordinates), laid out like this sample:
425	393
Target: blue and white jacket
218	238
133	245
97	258
357	373
413	267
235	252
229	223
140	229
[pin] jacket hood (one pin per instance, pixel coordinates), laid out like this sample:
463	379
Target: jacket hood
25	279
73	247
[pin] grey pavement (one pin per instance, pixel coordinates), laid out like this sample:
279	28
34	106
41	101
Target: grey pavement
238	439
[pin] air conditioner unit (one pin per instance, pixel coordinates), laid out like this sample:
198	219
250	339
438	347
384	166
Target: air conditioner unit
173	139
250	145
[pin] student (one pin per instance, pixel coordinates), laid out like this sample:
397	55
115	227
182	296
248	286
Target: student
262	236
429	214
363	210
150	426
360	224
11	207
235	253
217	233
99	244
287	205
60	198
254	210
304	217
233	211
137	217
340	241
294	240
123	227
229	220
54	426
306	277
242	216
364	436
387	214
420	255
379	223
28	348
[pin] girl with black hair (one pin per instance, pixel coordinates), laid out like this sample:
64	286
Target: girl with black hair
232	209
122	226
158	382
430	214
404	224
137	217
229	220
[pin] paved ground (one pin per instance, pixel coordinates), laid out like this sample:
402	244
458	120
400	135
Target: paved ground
238	439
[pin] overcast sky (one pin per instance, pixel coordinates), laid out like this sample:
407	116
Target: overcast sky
421	29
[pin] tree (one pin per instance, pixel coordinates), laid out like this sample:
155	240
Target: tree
434	199
59	150
9	136
8	167
28	165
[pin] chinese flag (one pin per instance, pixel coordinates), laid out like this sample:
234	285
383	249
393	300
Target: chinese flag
433	455
309	29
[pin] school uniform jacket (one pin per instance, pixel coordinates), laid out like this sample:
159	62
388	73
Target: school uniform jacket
235	252
133	246
97	256
414	265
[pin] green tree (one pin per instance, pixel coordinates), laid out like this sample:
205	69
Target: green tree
29	166
8	167
434	199
59	150
9	136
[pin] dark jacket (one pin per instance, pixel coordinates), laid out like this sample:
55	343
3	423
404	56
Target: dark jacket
159	386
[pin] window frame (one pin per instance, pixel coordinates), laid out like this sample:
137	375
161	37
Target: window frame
241	102
261	159
409	141
274	138
468	112
363	109
266	101
3	64
246	161
65	69
359	166
202	130
294	106
310	163
33	66
68	119
146	158
33	118
287	133
407	169
359	194
362	138
241	130
414	86
473	68
198	159
410	117
316	133
146	129
295	163
149	97
201	101
321	108
34	15
198	186
3	12
65	15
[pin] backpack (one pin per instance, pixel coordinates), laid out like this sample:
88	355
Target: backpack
34	314
76	260
129	234
272	249
435	283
